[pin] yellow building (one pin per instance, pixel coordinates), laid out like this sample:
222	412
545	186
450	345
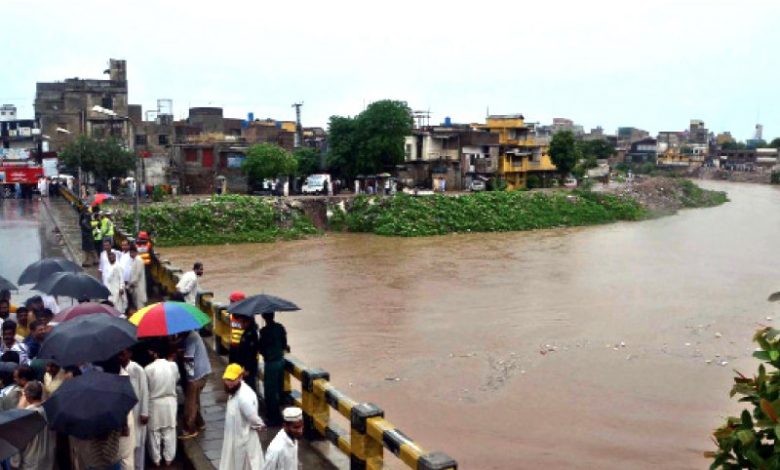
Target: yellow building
522	152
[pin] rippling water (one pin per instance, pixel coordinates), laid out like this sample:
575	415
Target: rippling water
504	350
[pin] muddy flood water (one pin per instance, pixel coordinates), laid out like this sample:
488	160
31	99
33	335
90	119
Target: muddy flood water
601	347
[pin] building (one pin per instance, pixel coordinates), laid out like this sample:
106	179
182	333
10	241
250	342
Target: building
20	139
564	124
643	151
7	113
153	141
748	159
68	106
523	150
698	133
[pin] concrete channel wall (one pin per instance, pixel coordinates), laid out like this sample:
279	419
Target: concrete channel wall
370	434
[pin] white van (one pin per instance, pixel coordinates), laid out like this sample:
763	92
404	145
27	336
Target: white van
315	184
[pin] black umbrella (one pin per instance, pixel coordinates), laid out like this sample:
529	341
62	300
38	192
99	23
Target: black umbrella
261	303
90	405
41	269
17	428
6	284
74	285
89	338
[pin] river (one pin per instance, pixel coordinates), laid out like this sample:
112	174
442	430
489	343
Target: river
598	347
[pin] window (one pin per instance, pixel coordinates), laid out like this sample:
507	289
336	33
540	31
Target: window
107	102
140	139
191	155
162	139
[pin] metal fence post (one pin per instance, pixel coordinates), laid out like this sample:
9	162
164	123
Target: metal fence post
366	452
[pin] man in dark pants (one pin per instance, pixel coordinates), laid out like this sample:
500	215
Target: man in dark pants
273	344
247	350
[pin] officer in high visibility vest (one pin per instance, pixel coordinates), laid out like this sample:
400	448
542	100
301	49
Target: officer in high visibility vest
97	234
144	247
107	227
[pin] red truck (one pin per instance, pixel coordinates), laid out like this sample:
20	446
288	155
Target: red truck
25	172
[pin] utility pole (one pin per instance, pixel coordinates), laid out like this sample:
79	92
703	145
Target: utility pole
298	128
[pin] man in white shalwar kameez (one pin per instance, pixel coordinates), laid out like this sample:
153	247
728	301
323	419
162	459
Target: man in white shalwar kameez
103	265
116	283
241	448
136	286
162	376
282	452
141	409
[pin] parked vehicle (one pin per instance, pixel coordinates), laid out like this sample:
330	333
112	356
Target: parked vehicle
570	182
477	185
317	184
24	172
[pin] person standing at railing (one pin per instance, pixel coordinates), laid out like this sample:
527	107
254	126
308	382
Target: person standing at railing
247	350
188	284
273	344
282	453
87	241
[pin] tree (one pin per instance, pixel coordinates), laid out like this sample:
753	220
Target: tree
265	161
598	149
371	142
342	146
732	145
564	152
308	160
105	159
775	143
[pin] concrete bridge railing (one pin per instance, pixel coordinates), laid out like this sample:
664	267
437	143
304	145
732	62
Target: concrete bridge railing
370	434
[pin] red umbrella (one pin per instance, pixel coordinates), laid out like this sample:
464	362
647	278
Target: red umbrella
98	199
87	308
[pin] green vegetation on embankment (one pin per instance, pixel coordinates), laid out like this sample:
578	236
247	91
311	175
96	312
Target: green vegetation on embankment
694	196
411	216
222	219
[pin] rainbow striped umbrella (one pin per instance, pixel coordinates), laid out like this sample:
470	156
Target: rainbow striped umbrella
168	318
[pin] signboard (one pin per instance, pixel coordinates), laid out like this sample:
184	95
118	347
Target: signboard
15	154
50	167
20	175
235	161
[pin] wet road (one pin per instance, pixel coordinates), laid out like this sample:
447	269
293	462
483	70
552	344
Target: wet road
25	237
574	348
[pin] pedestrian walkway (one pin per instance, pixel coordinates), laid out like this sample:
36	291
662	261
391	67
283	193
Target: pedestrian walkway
202	452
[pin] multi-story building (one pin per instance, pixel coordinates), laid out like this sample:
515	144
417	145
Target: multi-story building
698	133
68	105
20	139
522	150
643	151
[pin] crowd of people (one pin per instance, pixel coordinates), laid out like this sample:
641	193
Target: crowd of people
157	370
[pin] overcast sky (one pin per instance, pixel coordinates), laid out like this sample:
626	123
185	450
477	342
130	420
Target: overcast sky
652	64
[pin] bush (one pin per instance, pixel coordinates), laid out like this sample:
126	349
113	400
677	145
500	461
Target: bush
533	182
694	196
775	178
158	194
410	216
223	219
753	439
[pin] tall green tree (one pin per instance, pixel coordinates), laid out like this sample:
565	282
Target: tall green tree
105	159
342	146
564	151
775	143
265	161
308	160
371	142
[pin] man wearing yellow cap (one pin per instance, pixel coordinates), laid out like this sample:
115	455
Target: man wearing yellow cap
241	449
283	450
